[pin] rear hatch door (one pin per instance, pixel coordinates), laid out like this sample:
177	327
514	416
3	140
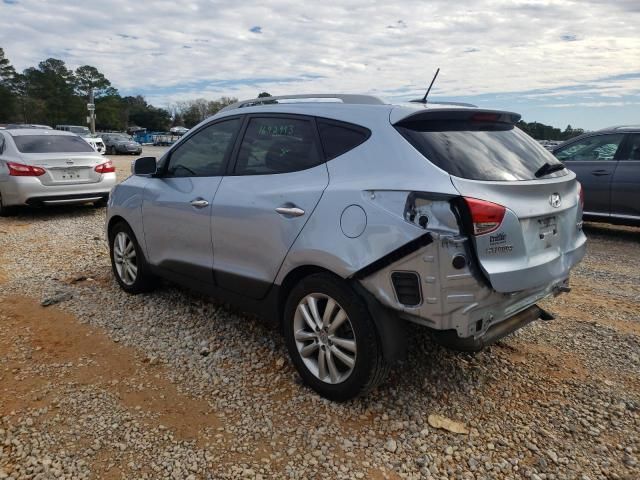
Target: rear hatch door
538	238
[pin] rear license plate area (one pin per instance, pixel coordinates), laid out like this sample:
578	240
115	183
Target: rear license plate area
69	174
547	227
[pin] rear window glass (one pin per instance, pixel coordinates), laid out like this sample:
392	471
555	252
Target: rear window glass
339	137
479	150
51	144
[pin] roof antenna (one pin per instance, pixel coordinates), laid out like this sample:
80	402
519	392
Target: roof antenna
424	99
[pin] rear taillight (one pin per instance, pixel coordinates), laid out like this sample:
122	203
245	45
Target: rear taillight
581	196
106	167
20	170
486	216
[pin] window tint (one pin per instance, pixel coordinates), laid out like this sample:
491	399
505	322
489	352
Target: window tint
277	145
479	150
203	154
597	148
339	137
634	147
51	144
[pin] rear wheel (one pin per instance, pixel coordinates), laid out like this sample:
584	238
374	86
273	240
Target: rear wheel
127	261
332	339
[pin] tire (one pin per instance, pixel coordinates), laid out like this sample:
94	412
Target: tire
353	338
112	151
120	236
4	210
102	203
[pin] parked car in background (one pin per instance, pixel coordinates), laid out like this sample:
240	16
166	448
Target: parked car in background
77	129
342	220
607	164
51	167
97	143
13	126
116	143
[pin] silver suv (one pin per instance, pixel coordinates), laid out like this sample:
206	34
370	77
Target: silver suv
345	217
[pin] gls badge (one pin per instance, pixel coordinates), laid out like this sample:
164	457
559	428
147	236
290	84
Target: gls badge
555	200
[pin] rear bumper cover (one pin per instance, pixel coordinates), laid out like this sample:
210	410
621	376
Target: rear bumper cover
459	300
30	191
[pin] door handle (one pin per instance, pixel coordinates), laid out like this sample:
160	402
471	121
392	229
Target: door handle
199	203
290	211
600	172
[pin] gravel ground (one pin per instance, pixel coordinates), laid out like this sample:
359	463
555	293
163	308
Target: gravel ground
170	385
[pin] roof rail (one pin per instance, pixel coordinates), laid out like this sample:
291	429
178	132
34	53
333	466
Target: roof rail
345	97
622	127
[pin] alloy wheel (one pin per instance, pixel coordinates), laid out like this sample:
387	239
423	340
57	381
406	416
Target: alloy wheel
325	338
124	257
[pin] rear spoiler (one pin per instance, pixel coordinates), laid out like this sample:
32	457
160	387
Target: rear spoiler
459	115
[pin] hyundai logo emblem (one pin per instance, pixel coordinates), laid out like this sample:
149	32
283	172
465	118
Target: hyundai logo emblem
555	200
69	162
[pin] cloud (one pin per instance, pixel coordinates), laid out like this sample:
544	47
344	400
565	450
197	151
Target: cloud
493	47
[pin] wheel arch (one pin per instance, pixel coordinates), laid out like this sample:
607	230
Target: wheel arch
390	329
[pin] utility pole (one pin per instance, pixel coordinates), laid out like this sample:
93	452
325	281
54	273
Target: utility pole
92	113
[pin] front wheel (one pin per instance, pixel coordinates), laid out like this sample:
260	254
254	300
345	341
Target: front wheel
127	261
332	339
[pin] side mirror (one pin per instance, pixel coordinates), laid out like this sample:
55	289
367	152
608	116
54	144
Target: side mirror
144	166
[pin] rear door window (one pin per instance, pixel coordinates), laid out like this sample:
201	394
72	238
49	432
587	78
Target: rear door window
479	150
277	145
339	137
591	149
51	144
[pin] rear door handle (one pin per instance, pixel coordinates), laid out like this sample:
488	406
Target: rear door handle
199	203
600	173
290	211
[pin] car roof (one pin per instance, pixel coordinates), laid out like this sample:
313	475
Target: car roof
620	129
18	132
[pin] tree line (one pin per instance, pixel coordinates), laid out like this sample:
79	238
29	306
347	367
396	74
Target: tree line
53	94
540	131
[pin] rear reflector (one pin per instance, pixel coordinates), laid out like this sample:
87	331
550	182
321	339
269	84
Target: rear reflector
581	196
20	170
106	167
486	216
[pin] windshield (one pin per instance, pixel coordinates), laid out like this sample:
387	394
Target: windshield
51	144
479	150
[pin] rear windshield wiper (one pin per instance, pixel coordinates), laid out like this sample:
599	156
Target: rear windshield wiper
548	168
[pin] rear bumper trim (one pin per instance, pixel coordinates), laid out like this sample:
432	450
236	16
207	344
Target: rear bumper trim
67	199
450	338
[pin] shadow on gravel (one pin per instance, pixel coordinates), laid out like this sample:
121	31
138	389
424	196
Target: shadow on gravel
53	212
608	231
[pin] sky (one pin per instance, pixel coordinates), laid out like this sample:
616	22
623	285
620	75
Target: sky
556	62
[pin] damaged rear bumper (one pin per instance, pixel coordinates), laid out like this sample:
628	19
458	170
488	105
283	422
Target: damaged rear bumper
452	298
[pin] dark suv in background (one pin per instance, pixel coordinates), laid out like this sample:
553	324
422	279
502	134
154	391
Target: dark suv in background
607	164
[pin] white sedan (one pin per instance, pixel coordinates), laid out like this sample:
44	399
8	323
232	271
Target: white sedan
51	167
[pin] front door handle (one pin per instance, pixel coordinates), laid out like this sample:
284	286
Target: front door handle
199	203
290	211
600	172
